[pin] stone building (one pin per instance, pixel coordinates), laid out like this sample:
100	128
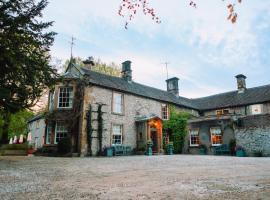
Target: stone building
97	110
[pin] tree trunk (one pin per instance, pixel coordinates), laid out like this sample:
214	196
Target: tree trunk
6	117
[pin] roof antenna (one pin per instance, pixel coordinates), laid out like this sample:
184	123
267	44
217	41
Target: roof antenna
166	65
71	46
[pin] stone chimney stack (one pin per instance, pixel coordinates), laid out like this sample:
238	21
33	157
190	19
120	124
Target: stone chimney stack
241	83
172	85
89	62
126	71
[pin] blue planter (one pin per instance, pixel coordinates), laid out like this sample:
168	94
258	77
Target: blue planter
240	153
109	152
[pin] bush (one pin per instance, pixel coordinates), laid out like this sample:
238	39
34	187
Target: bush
232	146
258	154
14	146
64	146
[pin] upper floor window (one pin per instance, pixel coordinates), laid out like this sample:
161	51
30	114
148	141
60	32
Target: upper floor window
222	112
51	100
256	109
164	112
194	137
118	102
117	134
216	136
65	98
60	131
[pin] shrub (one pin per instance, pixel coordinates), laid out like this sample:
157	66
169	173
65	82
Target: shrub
232	146
177	124
64	146
14	146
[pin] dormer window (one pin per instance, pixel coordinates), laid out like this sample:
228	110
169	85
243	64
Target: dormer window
65	97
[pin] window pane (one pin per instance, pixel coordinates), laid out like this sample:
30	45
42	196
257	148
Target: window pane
117	134
117	103
65	97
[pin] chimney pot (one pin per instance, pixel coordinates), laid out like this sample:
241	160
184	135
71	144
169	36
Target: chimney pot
126	71
241	83
172	85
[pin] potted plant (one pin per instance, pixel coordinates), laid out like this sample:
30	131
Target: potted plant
202	149
149	148
169	148
240	152
30	149
108	151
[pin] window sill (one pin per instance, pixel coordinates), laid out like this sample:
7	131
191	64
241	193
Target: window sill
120	114
194	145
216	145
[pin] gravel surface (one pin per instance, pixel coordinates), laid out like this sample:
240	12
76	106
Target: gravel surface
135	177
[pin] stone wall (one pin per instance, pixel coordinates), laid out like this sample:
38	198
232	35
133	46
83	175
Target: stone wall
133	106
254	134
205	135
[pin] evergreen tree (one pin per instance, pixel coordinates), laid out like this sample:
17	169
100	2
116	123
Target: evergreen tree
24	56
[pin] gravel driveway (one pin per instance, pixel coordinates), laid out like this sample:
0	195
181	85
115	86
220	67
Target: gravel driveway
135	177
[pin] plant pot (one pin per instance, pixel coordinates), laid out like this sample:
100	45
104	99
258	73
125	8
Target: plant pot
109	152
149	151
30	151
170	150
202	151
240	153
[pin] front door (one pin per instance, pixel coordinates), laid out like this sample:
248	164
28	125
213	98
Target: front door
154	140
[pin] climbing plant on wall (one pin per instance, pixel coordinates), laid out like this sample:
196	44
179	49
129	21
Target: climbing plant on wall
177	125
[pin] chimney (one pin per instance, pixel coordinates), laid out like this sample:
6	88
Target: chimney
89	62
126	71
241	83
172	86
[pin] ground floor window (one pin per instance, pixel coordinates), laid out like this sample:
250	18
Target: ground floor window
117	134
216	136
60	131
194	137
48	134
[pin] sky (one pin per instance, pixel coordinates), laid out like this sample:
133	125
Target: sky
204	50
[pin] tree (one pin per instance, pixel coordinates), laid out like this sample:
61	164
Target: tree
177	125
110	69
18	123
129	8
24	60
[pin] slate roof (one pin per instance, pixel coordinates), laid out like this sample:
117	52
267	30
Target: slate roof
229	99
36	117
120	84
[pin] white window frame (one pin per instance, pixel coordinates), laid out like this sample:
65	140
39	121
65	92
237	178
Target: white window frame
121	134
48	133
254	107
212	133
197	135
164	113
70	97
121	103
65	132
51	100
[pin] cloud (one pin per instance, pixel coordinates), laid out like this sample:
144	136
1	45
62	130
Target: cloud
200	44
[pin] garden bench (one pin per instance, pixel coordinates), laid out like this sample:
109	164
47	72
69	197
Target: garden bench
121	150
222	149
